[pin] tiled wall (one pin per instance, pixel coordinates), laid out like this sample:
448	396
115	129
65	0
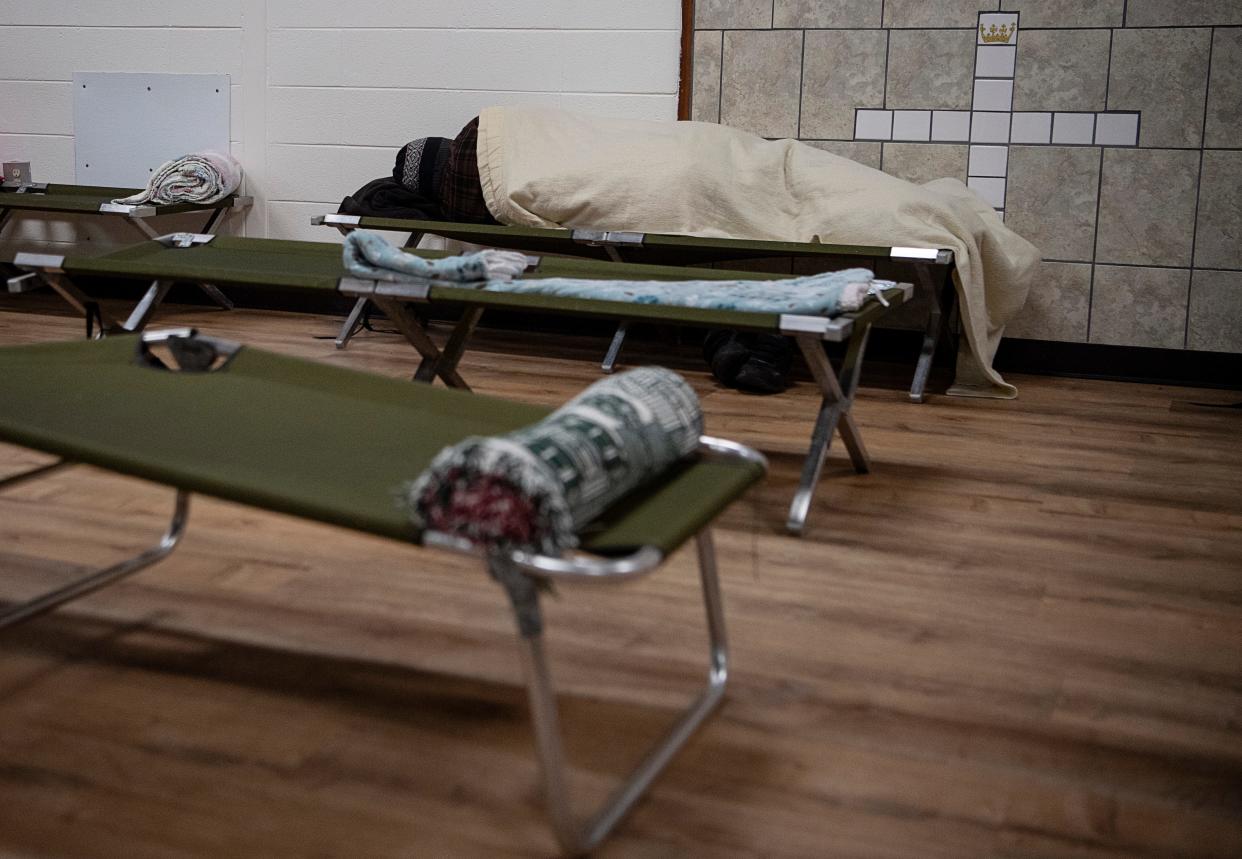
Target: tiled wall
1108	132
324	91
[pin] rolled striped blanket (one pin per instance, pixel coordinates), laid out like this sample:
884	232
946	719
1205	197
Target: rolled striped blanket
535	488
200	177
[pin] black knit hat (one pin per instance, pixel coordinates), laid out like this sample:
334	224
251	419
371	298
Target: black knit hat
420	162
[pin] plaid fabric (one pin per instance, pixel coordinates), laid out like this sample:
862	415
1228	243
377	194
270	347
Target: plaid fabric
536	487
460	192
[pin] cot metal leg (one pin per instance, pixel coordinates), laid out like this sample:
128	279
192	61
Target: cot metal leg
577	837
413	331
350	328
614	348
146	306
450	356
4	218
943	305
211	291
834	416
98	322
92	582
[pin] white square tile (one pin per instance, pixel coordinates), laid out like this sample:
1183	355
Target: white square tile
994	61
993	95
951	126
1073	127
1031	128
988	160
997	28
989	127
991	190
873	125
911	125
1116	129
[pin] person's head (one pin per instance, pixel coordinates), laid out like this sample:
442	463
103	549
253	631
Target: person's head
420	162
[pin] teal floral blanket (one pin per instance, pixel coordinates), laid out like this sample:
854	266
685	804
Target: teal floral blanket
368	255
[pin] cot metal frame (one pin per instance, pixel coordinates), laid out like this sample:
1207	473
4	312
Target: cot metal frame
396	299
136	215
48	269
621	245
519	573
810	332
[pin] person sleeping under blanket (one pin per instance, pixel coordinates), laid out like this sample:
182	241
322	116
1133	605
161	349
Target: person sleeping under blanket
542	167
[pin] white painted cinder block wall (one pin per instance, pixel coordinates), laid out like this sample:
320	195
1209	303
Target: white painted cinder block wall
324	91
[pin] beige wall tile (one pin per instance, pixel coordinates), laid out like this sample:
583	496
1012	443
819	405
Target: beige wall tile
1061	70
935	13
760	87
1184	13
860	151
923	162
843	70
1162	73
705	97
930	69
1215	311
732	14
1066	13
1218	240
1056	306
827	13
1132	306
1051	198
1147	206
1224	112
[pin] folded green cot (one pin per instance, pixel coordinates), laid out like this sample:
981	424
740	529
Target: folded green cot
221	427
53	198
314	266
932	267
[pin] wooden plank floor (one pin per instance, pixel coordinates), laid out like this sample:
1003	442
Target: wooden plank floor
1020	636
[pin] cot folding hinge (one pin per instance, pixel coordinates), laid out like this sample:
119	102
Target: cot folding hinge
336	220
51	263
599	238
940	256
184	240
411	290
25	282
27	187
242	202
832	330
138	211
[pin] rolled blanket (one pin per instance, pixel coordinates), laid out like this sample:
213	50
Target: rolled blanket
370	256
200	177
534	488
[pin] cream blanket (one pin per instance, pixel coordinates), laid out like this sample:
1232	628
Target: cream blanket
547	168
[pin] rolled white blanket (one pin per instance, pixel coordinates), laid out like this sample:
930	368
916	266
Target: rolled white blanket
200	177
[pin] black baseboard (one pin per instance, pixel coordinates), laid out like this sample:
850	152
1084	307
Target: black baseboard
1122	363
